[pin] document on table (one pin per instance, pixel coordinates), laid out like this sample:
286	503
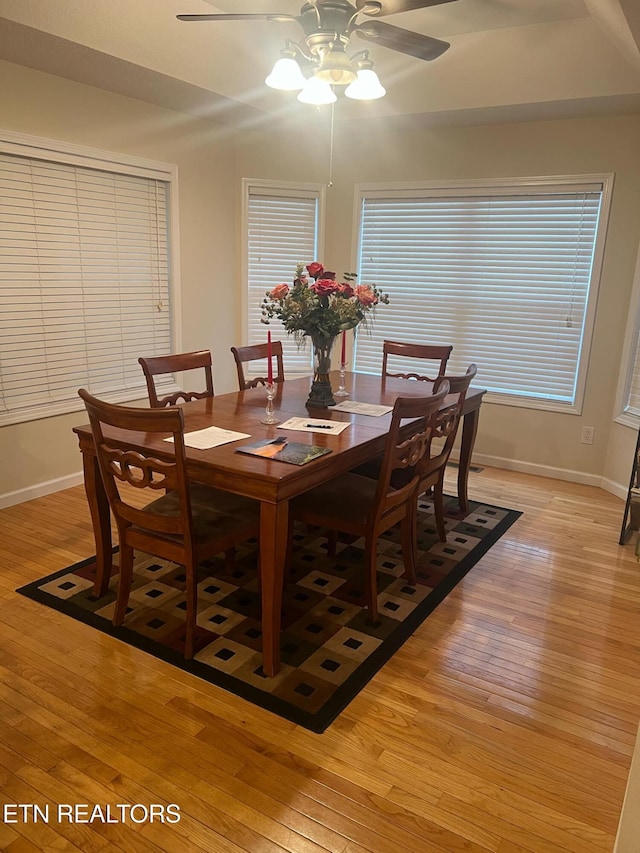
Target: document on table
362	408
315	425
212	436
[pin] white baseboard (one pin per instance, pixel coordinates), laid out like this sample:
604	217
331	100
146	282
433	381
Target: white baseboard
554	473
616	489
538	470
40	489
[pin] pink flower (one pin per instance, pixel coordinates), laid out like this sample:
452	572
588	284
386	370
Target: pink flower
315	269
319	303
279	291
365	295
325	287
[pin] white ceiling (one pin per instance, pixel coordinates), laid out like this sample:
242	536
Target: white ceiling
508	60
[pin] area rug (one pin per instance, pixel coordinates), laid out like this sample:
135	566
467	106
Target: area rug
329	650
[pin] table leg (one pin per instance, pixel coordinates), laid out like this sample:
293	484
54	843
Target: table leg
101	520
469	430
273	547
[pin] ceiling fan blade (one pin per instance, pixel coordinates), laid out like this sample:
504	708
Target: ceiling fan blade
392	7
249	16
404	41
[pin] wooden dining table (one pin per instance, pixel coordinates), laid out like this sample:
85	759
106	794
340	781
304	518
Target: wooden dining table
268	481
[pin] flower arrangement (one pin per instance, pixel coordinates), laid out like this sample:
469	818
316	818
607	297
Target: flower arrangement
319	305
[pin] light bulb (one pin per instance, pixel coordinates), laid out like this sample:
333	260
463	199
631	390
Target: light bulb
336	68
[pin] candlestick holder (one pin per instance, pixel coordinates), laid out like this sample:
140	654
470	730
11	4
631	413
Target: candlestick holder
269	417
342	391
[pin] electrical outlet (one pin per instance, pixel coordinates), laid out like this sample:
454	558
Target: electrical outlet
588	434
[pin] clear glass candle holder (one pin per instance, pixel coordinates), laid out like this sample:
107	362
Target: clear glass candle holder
342	391
269	416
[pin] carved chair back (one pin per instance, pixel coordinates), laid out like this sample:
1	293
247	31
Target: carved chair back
177	363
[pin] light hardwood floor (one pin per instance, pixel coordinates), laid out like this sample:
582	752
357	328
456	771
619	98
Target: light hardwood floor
505	724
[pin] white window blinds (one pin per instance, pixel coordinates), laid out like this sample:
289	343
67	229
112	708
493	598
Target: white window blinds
84	282
282	232
505	276
633	400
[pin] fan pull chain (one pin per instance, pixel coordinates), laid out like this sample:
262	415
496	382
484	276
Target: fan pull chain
330	181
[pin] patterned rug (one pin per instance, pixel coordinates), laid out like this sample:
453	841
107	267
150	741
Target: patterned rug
329	650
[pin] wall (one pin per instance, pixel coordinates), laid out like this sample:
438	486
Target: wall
362	153
43	105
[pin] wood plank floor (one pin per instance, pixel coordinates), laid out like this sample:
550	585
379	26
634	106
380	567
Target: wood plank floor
505	724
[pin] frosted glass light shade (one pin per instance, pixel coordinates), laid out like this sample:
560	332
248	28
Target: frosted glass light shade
366	87
287	75
317	92
336	68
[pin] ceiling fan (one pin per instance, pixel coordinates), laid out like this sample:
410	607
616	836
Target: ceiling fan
328	26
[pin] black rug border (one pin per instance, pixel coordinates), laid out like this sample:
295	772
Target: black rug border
344	694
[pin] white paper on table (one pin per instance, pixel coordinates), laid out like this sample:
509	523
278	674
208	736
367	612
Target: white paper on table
212	436
315	425
363	408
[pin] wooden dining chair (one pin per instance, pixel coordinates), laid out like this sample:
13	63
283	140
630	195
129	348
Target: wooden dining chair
430	352
176	363
358	505
432	465
188	524
256	352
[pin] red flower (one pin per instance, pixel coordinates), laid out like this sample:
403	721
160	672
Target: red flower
279	291
315	269
365	295
325	287
346	290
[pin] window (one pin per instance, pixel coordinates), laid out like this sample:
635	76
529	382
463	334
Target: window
84	275
628	395
283	230
506	273
632	406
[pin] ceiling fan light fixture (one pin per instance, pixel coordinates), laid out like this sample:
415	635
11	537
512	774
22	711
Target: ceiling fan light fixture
335	67
286	74
328	27
317	92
